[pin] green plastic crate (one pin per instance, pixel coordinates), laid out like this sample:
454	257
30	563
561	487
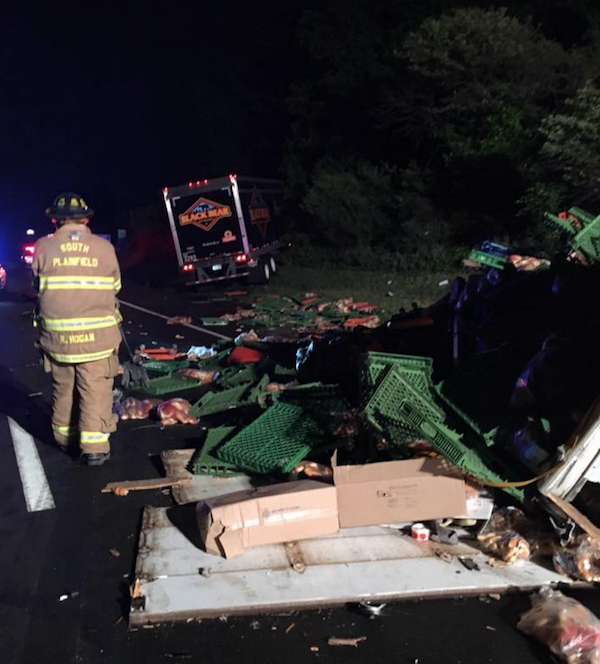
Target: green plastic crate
585	240
415	369
214	321
219	402
169	384
206	462
489	260
449	444
275	442
216	362
258	390
393	390
271	304
489	437
283	374
166	366
234	376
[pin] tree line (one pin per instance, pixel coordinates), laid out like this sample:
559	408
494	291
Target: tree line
417	129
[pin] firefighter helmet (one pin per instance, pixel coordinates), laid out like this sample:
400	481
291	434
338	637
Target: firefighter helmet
69	206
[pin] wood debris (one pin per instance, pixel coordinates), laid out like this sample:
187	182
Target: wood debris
123	488
351	642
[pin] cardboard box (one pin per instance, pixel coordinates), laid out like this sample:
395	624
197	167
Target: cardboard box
397	492
267	515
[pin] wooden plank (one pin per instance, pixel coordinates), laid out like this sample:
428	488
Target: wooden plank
200	487
574	514
142	485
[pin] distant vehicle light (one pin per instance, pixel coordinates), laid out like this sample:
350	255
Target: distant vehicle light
30	231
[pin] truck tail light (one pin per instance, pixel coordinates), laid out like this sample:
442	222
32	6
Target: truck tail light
241	258
188	267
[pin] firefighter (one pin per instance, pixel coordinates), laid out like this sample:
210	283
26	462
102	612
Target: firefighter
77	278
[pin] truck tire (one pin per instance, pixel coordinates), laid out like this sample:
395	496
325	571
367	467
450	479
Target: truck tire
261	273
273	265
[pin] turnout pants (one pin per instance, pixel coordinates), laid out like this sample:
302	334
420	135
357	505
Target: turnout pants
82	403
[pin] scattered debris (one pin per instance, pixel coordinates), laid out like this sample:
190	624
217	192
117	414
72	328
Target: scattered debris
469	564
115	553
314	648
179	320
70	595
203	377
289	628
123	488
495	596
351	642
443	555
135	589
371	610
490	628
419	532
255	625
35	394
177	655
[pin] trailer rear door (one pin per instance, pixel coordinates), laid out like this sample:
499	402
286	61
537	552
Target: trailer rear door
206	222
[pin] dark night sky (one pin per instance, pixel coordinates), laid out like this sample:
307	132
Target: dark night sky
115	103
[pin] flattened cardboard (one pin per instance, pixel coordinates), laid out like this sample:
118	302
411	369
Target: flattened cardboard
397	491
267	515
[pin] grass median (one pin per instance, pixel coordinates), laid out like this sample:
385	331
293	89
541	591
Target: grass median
391	291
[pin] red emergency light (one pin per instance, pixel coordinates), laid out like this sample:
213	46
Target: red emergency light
29	249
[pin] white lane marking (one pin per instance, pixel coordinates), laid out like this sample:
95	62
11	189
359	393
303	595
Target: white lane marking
37	492
193	327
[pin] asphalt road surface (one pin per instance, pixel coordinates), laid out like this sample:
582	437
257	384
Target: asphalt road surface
67	552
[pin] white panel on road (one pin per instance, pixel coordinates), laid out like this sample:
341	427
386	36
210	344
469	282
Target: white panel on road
192	327
179	581
38	495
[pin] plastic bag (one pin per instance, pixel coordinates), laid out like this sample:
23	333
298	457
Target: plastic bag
134	409
501	536
563	624
176	411
581	561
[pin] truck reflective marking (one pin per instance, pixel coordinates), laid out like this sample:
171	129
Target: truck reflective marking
204	214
